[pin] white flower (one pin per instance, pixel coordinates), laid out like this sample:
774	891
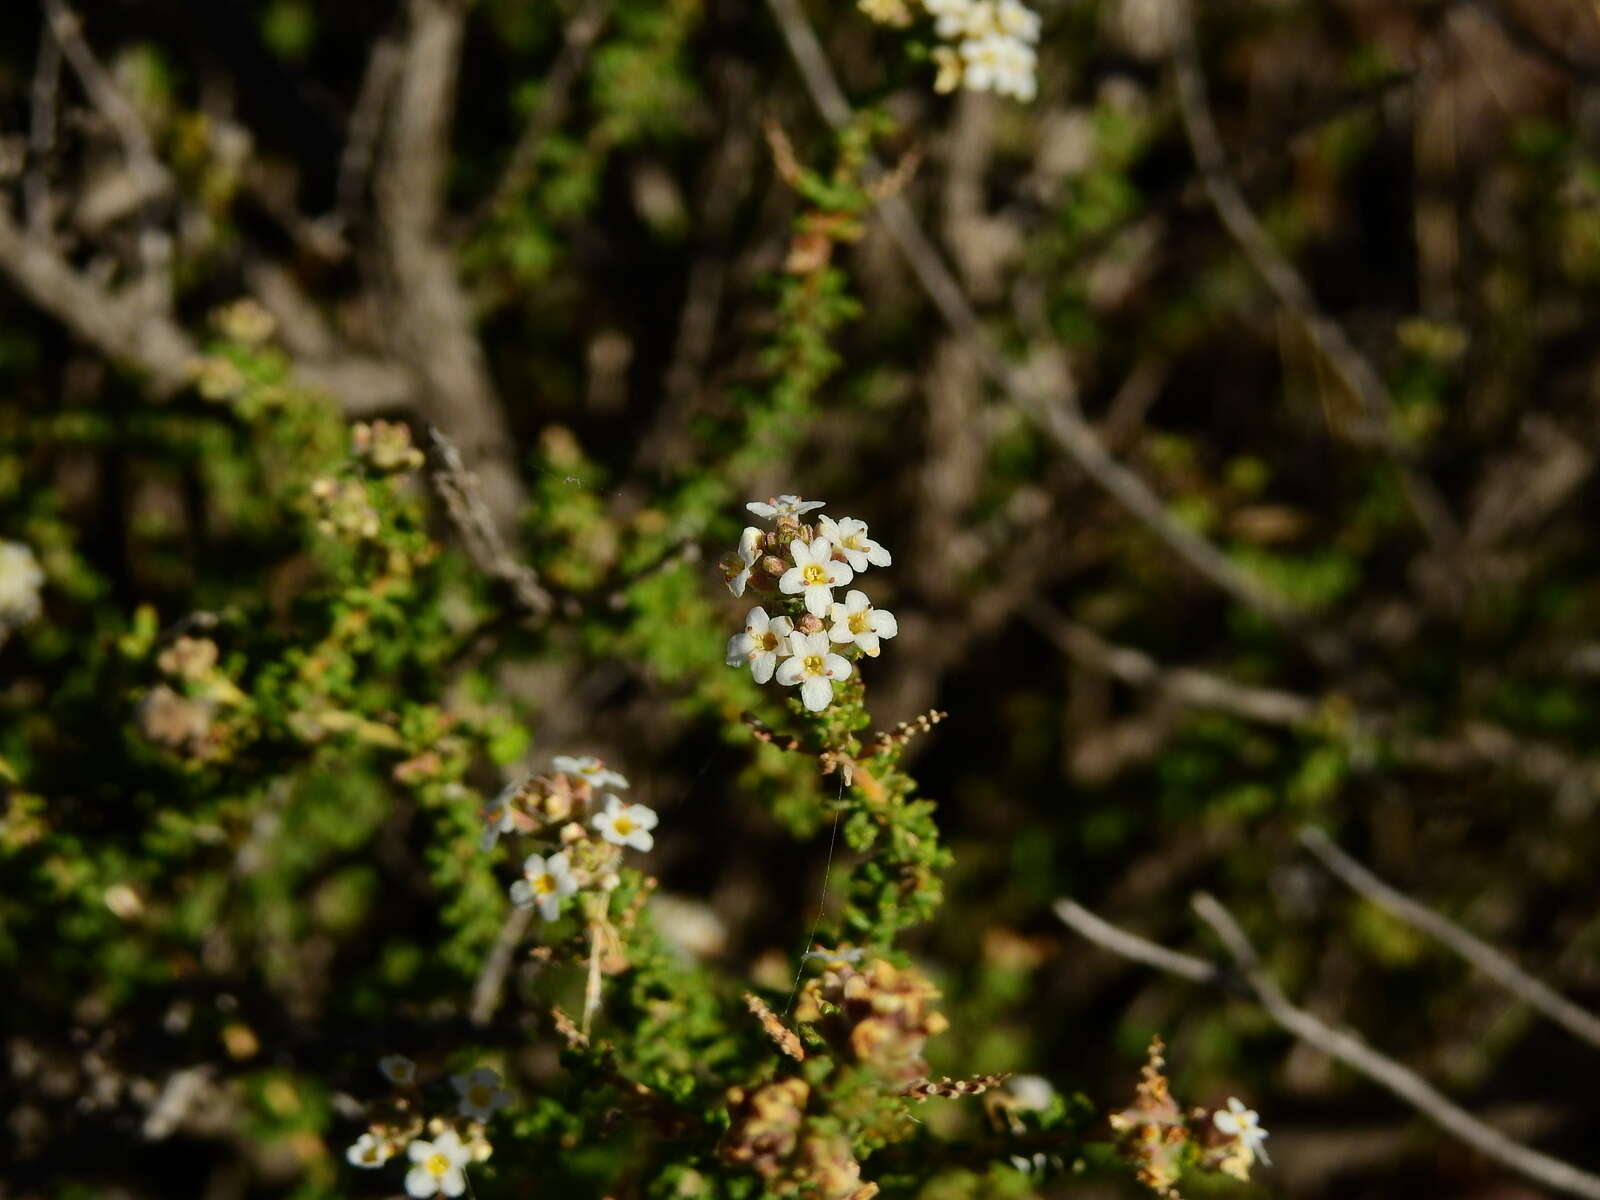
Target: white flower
547	882
749	554
814	575
440	1166
1016	19
369	1151
1031	1092
1014	75
626	824
949	64
590	768
763	639
953	17
814	667
857	621
481	1093
783	506
20	581
1243	1123
849	537
499	817
397	1068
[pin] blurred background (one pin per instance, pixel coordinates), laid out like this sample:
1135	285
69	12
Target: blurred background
1350	364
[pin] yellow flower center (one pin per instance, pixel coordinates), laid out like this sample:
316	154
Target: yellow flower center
861	622
545	884
767	641
437	1164
812	664
623	826
853	542
814	574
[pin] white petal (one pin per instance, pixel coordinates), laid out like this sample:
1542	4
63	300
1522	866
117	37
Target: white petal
534	864
856	558
420	1182
818	597
884	623
836	666
756	620
791	581
789	671
817	643
550	907
839	574
738	651
644	818
878	556
749	544
840	632
454	1182
869	644
762	665
641	839
761	509
522	894
781	626
817	693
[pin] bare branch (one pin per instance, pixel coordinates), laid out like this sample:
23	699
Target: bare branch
458	488
1056	414
1401	1081
105	95
431	318
1352	368
1132	946
492	979
1575	1020
365	127
1201	689
122	326
44	95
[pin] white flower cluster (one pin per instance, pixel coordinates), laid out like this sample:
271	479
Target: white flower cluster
20	581
805	562
439	1160
989	43
549	804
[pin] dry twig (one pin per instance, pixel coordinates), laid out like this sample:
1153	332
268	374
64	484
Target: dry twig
1574	1019
1384	1071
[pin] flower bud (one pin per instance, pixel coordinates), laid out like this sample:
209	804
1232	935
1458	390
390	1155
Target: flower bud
773	565
572	832
809	625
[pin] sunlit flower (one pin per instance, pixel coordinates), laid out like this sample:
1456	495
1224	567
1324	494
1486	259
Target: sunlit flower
369	1150
397	1068
749	554
783	506
481	1093
588	768
763	639
20	581
849	537
440	1166
856	621
949	64
814	667
814	575
545	883
624	824
1243	1123
886	12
